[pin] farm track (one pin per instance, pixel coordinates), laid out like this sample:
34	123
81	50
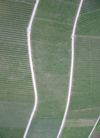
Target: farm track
31	67
71	71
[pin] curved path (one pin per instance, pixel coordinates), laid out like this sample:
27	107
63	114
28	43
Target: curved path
71	70
31	67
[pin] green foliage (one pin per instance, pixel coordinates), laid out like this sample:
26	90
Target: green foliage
88	23
51	50
16	89
11	132
76	132
96	132
51	46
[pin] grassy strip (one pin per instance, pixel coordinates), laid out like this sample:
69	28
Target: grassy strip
85	92
11	132
51	56
96	133
76	132
85	113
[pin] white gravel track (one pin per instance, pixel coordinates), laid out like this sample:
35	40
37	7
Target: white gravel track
31	67
71	71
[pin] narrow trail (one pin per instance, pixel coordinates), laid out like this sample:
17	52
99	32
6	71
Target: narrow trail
94	127
71	71
31	67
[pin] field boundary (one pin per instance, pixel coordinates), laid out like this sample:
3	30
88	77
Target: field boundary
31	67
87	36
85	109
53	21
71	71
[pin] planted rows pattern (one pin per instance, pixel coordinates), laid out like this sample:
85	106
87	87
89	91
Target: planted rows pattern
16	90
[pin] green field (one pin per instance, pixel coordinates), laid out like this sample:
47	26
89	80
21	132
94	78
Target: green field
51	50
51	45
85	98
16	90
96	133
88	23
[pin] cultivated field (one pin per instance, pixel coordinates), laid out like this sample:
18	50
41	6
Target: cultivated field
51	45
96	133
51	51
16	90
85	98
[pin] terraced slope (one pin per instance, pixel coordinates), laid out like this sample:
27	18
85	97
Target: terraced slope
85	100
16	90
51	45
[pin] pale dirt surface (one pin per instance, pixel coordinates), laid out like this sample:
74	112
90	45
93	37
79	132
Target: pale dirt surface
80	122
